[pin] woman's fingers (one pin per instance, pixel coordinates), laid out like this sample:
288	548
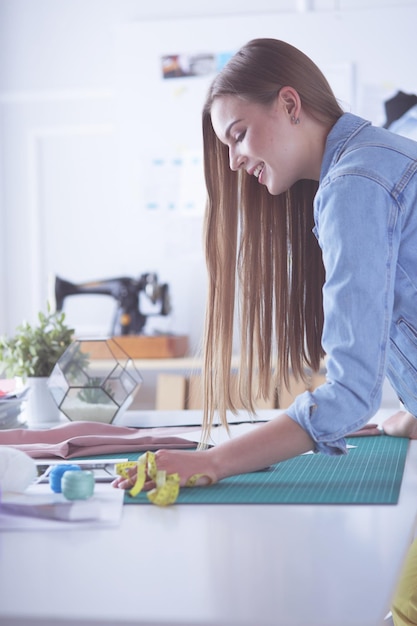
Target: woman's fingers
126	483
191	467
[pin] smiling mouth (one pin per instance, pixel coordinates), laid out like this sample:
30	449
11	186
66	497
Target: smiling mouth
258	169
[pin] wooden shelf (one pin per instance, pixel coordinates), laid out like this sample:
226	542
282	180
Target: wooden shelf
153	347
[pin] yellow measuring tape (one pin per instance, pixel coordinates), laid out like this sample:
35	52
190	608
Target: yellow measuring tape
167	486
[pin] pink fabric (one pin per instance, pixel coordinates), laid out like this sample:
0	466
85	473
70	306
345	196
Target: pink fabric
91	438
369	430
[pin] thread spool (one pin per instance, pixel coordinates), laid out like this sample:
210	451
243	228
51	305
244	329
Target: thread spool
78	485
56	474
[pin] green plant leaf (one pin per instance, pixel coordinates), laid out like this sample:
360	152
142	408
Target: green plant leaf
34	350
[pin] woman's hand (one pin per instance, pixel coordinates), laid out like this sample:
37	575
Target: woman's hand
401	424
185	464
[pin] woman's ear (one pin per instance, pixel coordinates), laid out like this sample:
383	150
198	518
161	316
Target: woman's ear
290	100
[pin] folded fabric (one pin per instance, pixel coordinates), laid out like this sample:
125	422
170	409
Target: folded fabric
76	439
369	430
91	438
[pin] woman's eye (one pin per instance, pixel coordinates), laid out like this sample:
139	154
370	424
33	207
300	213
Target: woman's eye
240	137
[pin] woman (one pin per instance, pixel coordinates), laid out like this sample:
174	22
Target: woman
312	214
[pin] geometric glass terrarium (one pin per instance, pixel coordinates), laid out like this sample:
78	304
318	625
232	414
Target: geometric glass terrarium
94	380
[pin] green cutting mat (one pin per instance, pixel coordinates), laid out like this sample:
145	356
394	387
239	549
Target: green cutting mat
371	473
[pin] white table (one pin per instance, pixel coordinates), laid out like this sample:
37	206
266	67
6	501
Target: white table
198	565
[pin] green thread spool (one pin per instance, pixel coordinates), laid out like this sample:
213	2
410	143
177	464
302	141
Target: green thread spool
78	485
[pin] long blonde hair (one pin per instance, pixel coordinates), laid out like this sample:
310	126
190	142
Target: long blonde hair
260	246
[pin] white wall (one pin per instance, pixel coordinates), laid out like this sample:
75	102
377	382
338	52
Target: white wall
70	159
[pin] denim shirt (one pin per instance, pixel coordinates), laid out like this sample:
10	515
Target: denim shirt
365	214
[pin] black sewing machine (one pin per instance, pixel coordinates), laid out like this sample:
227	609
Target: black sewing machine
128	319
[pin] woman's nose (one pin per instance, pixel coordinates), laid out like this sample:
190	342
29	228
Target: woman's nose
236	160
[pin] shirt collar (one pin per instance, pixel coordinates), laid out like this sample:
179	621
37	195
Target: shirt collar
341	133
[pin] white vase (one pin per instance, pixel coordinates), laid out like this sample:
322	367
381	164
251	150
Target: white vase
41	410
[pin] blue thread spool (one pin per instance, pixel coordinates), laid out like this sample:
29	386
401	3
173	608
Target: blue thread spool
78	485
56	474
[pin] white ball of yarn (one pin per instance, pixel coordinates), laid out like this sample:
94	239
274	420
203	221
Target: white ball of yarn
17	470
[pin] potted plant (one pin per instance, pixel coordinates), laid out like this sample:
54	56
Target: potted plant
31	355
